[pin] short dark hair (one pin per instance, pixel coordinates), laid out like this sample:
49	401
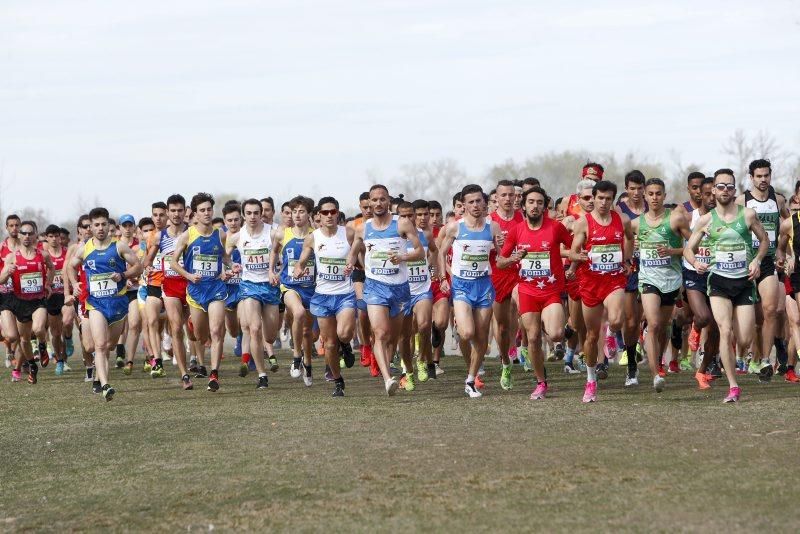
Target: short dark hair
724	171
52	229
530	180
636	176
286	204
112	222
269	201
13	217
63	231
218	220
421	204
201	198
300	200
759	164
144	221
327	200
231	202
405	204
159	205
470	190
656	181
458	197
536	189
435	205
233	208
176	199
707	180
253	202
379	186
604	186
694	176
505	183
98	213
84	217
363	196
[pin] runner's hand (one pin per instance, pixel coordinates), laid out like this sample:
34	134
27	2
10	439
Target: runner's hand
754	270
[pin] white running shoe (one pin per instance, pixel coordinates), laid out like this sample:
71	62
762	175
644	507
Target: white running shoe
439	370
8	360
294	372
307	380
391	386
166	342
174	361
658	383
472	392
630	382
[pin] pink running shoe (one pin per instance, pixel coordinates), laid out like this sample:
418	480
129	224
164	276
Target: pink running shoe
590	393
611	347
733	395
540	391
512	354
16	375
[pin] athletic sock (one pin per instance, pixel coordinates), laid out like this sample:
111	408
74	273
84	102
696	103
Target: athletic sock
568	332
296	362
308	369
339	381
790	367
261	374
570	355
591	374
780	351
470	379
630	351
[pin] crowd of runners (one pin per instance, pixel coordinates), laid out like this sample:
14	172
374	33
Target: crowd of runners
600	277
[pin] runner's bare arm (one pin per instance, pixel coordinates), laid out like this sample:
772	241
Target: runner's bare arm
308	249
579	229
784	254
407	230
355	249
131	259
690	249
180	247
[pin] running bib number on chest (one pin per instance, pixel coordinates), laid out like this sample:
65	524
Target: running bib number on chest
731	257
58	280
157	262
770	229
535	265
331	269
474	265
31	283
379	264
650	256
102	285
256	259
703	254
308	273
206	265
606	258
167	261
418	271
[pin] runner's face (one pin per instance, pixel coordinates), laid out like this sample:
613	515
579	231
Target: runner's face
474	204
634	191
187	216
233	221
492	203
159	217
366	208
128	229
100	228
695	189
205	213
329	215
147	231
176	213
286	217
406	213
64	239
252	215
761	178
436	217
655	197
724	196
84	229
534	207
517	198
12	226
603	201
707	196
586	200
53	240
379	200
458	208
423	218
506	196
267	212
28	234
300	216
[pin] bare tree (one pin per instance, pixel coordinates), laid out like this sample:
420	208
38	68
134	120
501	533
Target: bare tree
432	180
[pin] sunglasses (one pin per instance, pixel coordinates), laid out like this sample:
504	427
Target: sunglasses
328	212
27	233
723	187
587	198
85	226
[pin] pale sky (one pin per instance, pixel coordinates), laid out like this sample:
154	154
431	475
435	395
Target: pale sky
131	101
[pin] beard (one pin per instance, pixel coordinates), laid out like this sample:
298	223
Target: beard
534	219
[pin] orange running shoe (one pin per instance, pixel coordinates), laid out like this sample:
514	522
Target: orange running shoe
694	340
479	383
366	352
403	381
702	380
661	372
790	376
374	370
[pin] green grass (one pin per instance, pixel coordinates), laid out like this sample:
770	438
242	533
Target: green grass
292	458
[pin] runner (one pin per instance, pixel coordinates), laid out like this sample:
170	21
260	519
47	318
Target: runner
533	248
694	186
658	231
31	273
55	301
732	268
134	325
154	307
358	277
334	302
591	171
770	210
383	240
258	298
104	261
505	281
608	239
472	239
441	299
232	219
10	244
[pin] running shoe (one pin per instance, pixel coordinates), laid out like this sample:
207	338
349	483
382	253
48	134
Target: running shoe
686	363
714	369
16	375
251	363
186	382
402	382
347	354
213	382
569	368
602	370
673	367
422	371
411	383
9	359
702	380
431	371
539	392
128	369
765	372
623	358
741	367
365	355
33	374
96	387
307	379
436	337
341	362
439	370
59	368
328	374
790	376
193	364
733	395
120	362
590	392
471	391
632	381
44	357
481	371
294	370
263	382
201	372
512	353
753	368
243	369
610	347
108	392
658	383
391	386
70	346
67	368
374	370
338	389
581	363
147	366
157	371
661	371
506	380
237	347
89	377
273	363
479	383
551	357
526	363
559	351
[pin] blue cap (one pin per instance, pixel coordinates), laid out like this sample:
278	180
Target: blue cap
127	218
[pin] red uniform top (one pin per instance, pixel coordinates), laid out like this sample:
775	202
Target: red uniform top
5	250
604	245
29	277
540	272
506	227
58	268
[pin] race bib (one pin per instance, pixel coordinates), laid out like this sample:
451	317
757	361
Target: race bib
379	264
206	265
650	257
256	259
31	283
474	265
770	229
308	273
168	271
418	271
703	254
101	285
331	269
157	262
605	258
58	280
731	257
535	265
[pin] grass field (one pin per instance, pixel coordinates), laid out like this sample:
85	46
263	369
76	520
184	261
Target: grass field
292	458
